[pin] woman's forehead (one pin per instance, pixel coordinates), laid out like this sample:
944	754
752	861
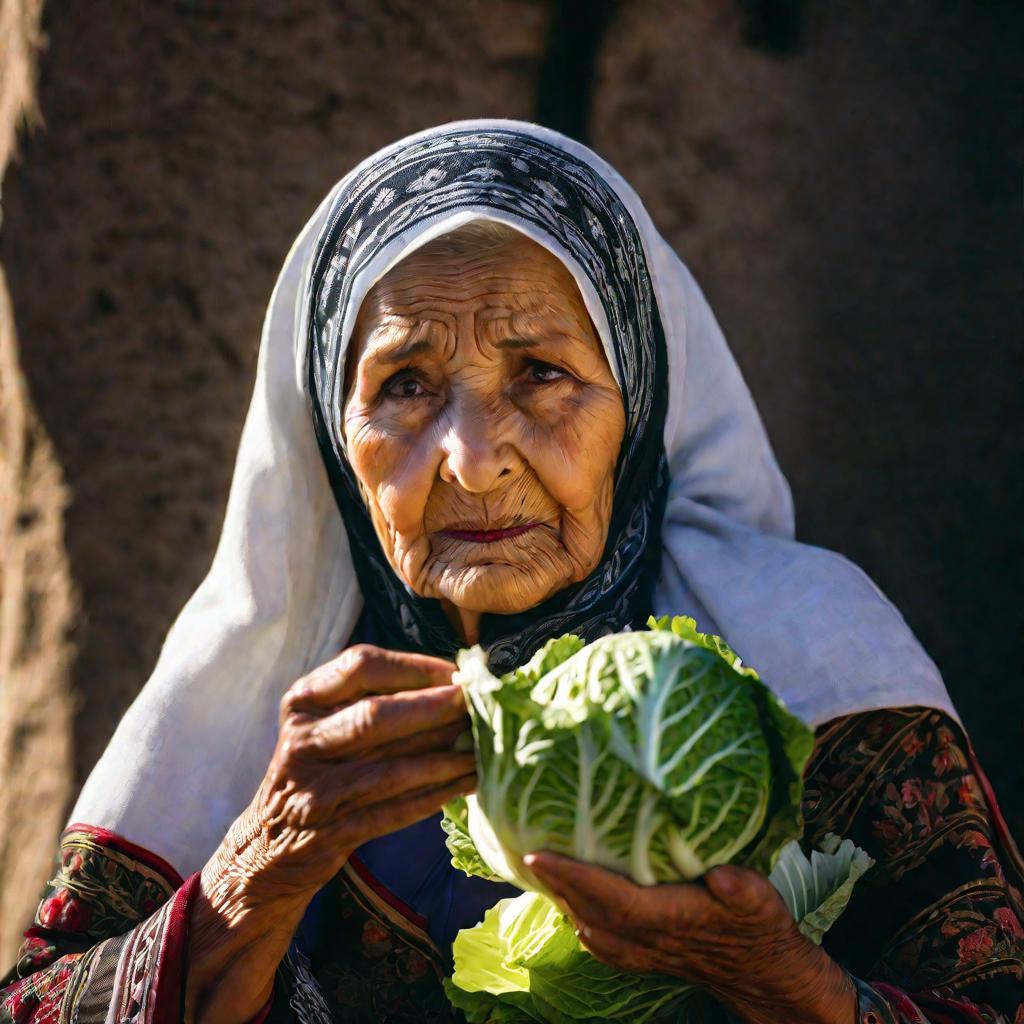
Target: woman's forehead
507	283
467	266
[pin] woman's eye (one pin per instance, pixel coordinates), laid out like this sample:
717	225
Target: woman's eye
403	385
545	373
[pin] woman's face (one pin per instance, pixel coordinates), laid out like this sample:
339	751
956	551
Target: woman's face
483	423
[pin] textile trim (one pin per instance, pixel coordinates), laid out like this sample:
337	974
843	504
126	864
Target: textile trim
101	888
169	984
139	977
38	998
377	901
136	855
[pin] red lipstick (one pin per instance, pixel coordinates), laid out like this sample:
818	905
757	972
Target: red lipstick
490	536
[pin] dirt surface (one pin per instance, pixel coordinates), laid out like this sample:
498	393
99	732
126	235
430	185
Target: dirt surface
852	207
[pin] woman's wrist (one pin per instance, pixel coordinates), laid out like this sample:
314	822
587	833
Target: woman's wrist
240	931
818	992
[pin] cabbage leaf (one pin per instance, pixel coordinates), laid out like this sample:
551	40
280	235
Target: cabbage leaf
657	754
525	964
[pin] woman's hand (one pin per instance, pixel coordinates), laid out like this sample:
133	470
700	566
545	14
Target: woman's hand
732	936
365	747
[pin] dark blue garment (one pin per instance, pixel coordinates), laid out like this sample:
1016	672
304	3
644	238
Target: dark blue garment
415	865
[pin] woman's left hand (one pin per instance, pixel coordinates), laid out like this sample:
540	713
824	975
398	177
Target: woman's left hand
731	935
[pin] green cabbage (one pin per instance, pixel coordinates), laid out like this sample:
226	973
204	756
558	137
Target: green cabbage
656	754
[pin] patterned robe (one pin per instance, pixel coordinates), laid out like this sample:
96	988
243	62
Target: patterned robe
933	933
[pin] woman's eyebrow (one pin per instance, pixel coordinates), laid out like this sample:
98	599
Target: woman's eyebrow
399	353
516	343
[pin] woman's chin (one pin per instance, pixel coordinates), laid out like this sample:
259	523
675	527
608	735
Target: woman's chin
498	589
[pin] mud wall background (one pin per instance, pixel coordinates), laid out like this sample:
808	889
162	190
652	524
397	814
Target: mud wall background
844	180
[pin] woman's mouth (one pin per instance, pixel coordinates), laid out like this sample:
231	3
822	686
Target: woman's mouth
490	536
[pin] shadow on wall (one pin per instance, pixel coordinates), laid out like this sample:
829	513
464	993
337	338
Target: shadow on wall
840	178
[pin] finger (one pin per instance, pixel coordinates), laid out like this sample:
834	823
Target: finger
586	887
378	781
374	721
618	951
383	818
593	893
430	741
599	896
365	669
739	889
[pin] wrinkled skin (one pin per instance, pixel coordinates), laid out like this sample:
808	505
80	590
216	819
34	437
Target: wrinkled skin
483	423
364	748
481	401
732	935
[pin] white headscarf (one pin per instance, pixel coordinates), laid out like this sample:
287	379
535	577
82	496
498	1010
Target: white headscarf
281	596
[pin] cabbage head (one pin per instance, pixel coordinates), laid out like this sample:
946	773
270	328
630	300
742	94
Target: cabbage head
654	753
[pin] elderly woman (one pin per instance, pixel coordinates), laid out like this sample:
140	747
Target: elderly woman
492	406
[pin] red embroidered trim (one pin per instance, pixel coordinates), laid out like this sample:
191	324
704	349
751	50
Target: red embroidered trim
1002	828
386	894
169	985
130	849
901	1002
960	1012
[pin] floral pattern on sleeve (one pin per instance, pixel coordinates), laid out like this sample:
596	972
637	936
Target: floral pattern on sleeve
37	998
937	924
103	888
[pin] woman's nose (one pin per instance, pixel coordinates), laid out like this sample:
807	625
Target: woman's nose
475	454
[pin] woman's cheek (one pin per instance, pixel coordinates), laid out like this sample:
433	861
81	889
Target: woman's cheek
394	466
407	467
575	457
585	531
369	451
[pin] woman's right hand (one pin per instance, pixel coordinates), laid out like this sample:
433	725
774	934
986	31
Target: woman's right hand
365	747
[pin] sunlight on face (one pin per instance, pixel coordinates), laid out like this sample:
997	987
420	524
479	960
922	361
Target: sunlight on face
483	423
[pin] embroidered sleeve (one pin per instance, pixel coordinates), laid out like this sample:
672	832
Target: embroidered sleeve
935	927
108	938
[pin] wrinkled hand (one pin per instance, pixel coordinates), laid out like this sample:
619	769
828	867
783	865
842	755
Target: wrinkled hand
365	747
731	935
